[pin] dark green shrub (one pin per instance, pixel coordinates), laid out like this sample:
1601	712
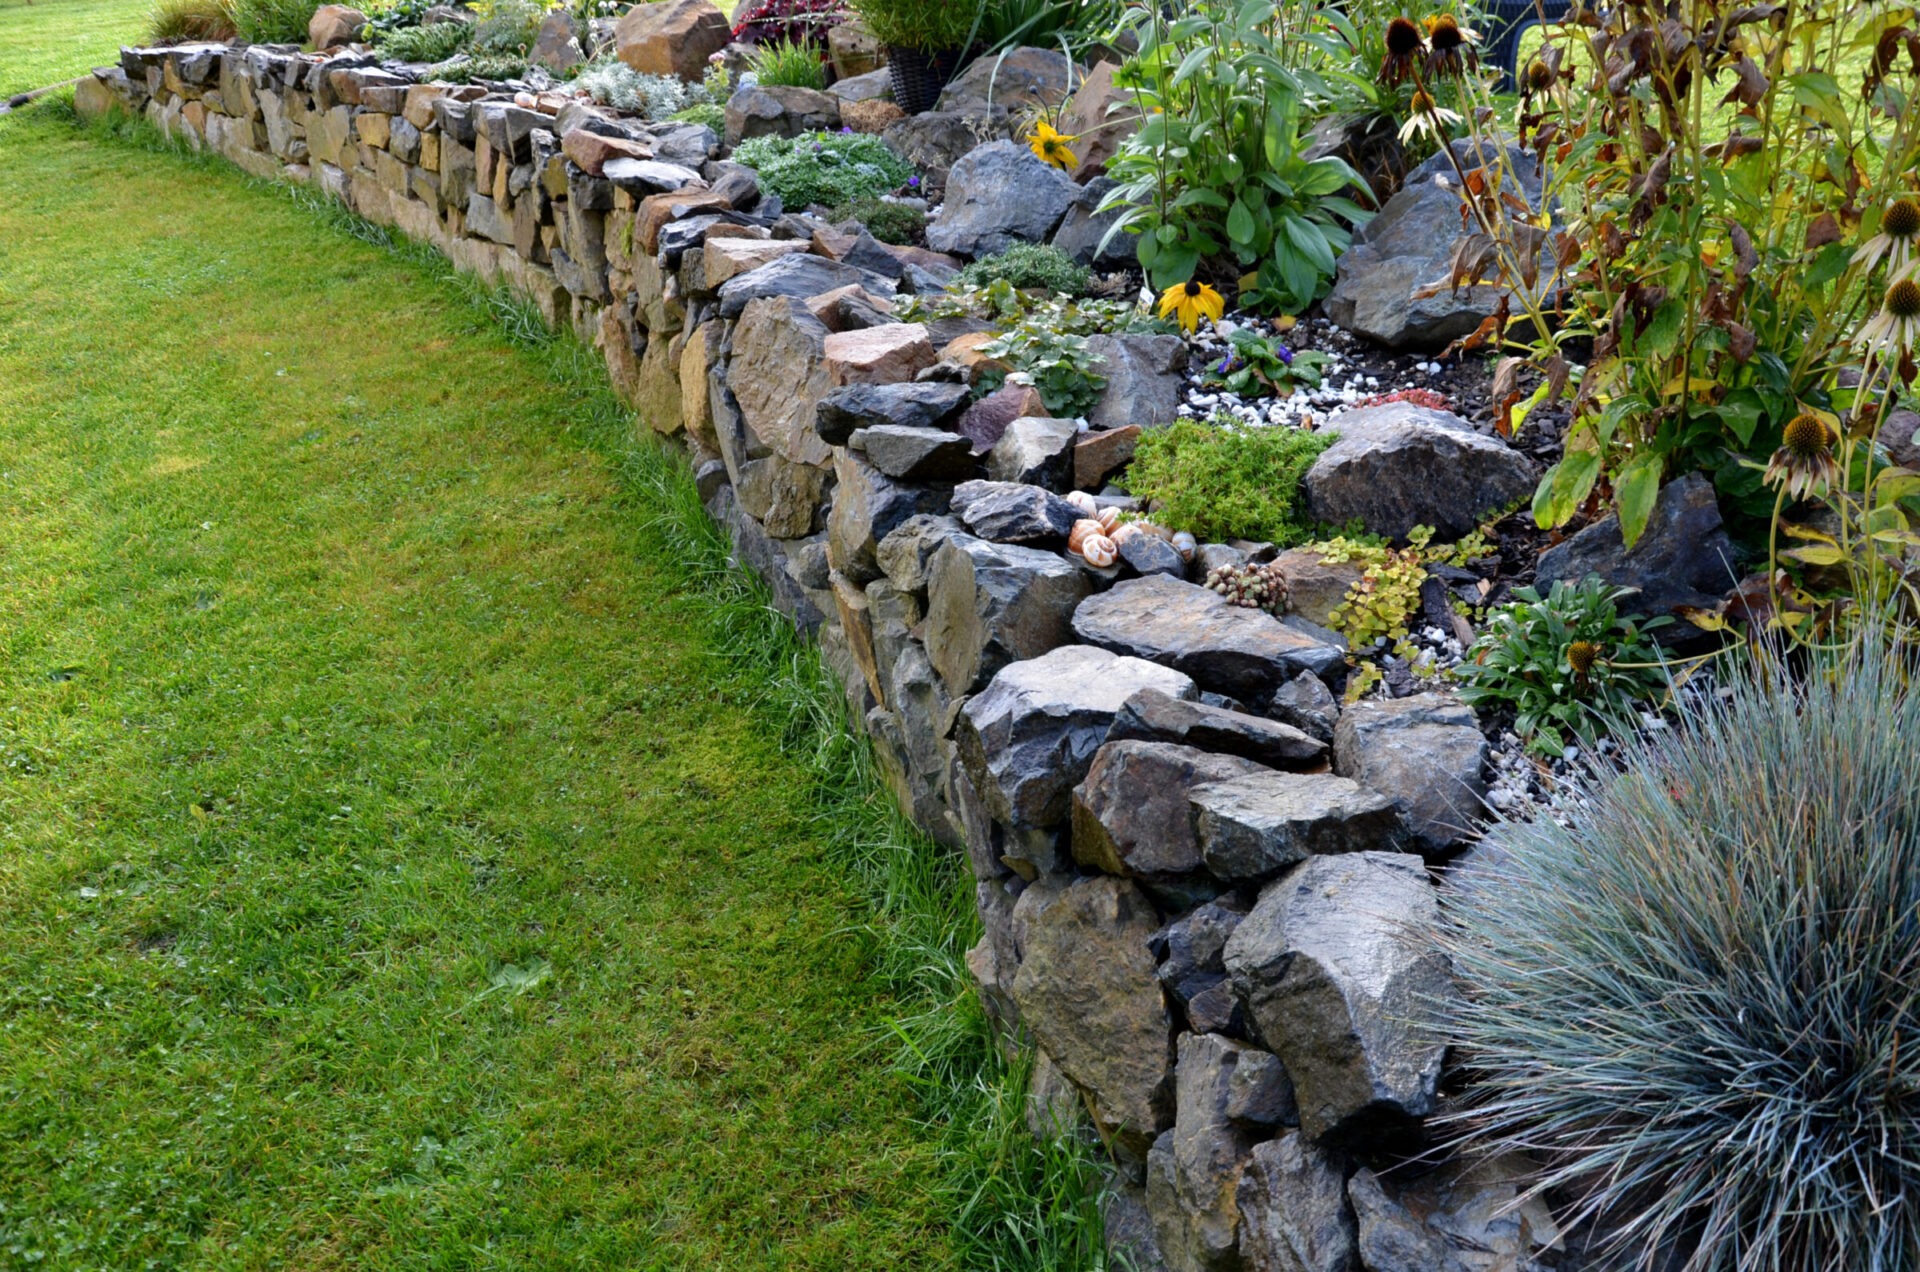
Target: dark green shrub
508	29
889	222
465	70
1035	266
1692	991
395	16
273	21
1568	663
822	167
1227	483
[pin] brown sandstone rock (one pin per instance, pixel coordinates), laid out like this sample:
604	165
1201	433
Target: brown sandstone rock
671	37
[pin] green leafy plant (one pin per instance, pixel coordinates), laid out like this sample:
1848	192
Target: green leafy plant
791	63
1223	482
1217	183
507	28
396	16
926	26
468	68
1056	363
1568	663
1722	174
1002	303
272	21
1262	367
432	43
1036	266
1702	972
822	167
707	114
174	21
887	221
1384	600
613	83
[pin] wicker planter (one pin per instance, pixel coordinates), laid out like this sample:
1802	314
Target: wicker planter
917	77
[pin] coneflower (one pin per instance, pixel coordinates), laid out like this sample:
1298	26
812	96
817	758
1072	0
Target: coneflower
1896	327
1805	461
1899	230
1404	46
1452	51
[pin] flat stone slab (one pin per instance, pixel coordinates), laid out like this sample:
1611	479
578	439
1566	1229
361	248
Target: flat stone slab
1243	653
1251	828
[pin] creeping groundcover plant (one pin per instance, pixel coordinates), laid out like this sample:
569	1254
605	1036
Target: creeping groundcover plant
1691	993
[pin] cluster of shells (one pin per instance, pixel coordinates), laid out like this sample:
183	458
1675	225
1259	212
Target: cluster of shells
1251	586
1097	536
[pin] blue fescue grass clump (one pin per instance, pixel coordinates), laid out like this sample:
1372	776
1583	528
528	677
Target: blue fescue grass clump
1696	1002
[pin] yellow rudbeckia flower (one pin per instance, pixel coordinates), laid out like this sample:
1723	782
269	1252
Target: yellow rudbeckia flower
1053	146
1190	302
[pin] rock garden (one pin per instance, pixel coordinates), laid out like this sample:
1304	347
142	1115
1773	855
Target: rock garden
1278	486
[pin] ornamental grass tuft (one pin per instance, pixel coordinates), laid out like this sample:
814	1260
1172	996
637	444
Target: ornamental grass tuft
1696	1000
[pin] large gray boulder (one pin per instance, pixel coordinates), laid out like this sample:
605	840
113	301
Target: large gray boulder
1016	79
1194	1169
1027	738
1130	815
1087	991
779	110
1340	976
1013	512
1154	717
1083	231
1250	828
778	375
1683	558
1294	1215
999	195
906	552
1145	379
1465	1217
906	453
1034	450
800	275
1400	466
1426	753
990	604
1243	653
1409	247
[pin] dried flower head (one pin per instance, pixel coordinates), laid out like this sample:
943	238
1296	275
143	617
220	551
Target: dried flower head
1451	50
1404	45
1582	655
1896	328
1804	463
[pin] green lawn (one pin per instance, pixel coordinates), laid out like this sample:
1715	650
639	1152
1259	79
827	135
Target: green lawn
49	41
384	881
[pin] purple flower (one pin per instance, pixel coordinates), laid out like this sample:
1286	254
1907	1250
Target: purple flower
1226	364
1284	354
845	129
913	182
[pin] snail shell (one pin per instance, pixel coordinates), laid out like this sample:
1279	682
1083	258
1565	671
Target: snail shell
525	101
1157	531
1081	529
1098	550
1084	502
1109	519
1186	545
1123	533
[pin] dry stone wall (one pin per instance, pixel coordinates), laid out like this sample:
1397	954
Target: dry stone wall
1207	892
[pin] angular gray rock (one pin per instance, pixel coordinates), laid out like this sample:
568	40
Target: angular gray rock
642	177
1083	231
1150	554
1010	512
1240	652
1027	739
557	47
999	195
1144	379
1016	78
908	549
1035	451
1683	558
1193	1172
912	405
990	604
1464	1217
1338	970
867	506
917	454
1249	829
1400	466
1306	704
1087	991
1190	948
1260	1092
1127	1228
1155	717
1293	1210
779	110
1408	247
1426	753
1130	815
801	275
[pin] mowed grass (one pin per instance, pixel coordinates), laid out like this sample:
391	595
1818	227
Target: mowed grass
46	42
387	879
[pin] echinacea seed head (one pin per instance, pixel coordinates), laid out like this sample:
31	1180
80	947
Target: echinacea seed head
1806	434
